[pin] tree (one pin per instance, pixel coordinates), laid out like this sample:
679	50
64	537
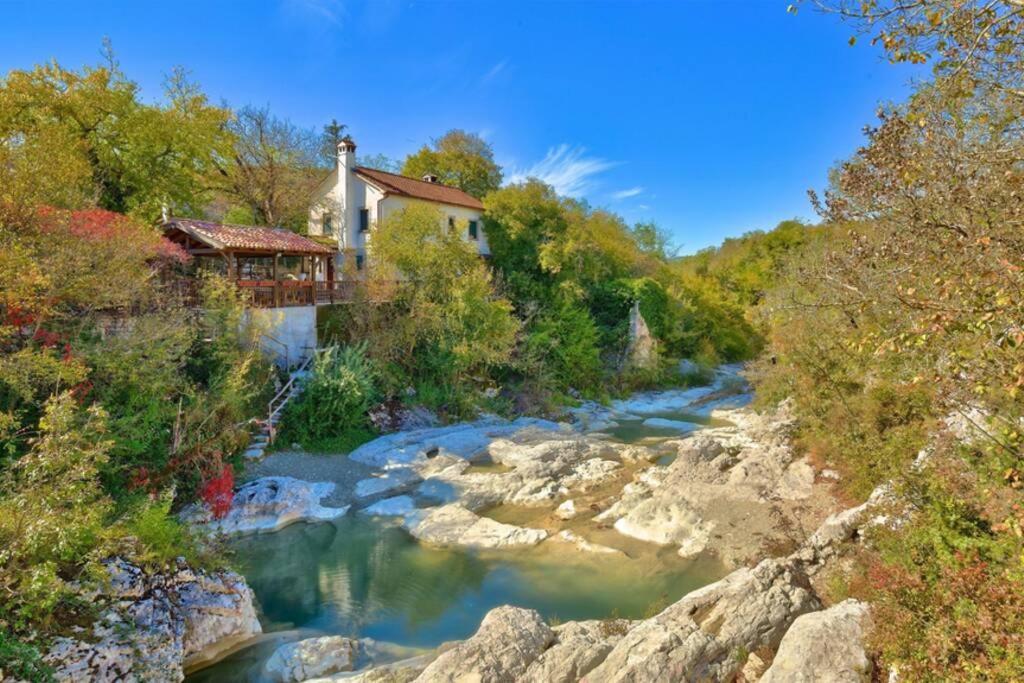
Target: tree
273	168
84	138
459	159
450	325
329	141
381	162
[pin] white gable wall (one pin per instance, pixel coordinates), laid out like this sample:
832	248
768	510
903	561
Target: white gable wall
342	199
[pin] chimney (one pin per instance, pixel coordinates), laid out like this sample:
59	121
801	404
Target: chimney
430	178
347	152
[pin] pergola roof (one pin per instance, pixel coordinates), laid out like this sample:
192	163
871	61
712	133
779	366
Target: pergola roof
245	238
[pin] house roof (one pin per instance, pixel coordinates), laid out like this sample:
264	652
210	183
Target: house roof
419	189
225	236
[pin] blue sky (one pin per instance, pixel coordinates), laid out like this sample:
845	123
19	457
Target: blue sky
710	117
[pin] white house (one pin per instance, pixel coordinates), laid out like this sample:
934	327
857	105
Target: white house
352	199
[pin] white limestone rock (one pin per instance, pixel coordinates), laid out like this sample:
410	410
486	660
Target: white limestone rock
665	521
454	525
567	510
583	545
508	641
824	647
390	482
697	637
151	626
311	658
398	506
268	504
578	648
463	440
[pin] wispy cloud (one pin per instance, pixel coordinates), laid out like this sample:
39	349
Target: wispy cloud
493	72
568	169
331	11
626	194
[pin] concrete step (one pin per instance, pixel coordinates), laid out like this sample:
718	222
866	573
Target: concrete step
253	453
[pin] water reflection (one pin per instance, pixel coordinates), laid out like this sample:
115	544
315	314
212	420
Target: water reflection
367	578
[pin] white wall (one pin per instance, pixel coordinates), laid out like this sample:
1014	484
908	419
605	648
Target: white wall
343	194
294	326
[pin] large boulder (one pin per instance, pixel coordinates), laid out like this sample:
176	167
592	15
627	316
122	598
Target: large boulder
508	641
578	648
268	504
312	657
698	637
824	647
151	626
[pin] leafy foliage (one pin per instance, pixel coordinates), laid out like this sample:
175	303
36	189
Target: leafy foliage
459	159
335	398
22	661
906	318
74	138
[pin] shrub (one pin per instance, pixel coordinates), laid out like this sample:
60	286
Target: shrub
561	350
20	661
335	398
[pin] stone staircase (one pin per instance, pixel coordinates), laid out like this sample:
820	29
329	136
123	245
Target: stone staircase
266	429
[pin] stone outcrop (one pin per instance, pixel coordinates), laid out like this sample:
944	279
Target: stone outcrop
642	348
152	626
454	525
824	647
698	637
578	648
311	658
268	504
729	485
508	641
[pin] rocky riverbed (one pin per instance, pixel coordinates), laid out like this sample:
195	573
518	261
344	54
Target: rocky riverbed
691	473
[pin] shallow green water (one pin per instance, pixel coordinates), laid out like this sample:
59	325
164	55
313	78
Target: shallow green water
366	578
635	431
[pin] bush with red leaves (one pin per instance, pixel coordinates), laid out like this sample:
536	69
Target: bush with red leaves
218	491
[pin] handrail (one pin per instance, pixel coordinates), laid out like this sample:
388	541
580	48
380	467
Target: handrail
281	398
287	354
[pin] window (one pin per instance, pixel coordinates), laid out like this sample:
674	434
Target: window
364	220
359	261
473	234
326	225
451	223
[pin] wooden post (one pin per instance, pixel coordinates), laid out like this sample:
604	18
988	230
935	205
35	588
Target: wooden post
277	284
312	277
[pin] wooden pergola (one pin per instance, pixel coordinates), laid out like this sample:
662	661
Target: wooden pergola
239	248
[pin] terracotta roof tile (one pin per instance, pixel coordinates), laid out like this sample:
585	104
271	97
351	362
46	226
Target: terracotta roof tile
420	189
247	237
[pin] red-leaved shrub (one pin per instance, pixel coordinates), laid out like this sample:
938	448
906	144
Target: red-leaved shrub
218	492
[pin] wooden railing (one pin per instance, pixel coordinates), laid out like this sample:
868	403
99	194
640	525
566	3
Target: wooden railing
283	293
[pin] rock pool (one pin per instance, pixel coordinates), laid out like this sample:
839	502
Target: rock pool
360	576
367	577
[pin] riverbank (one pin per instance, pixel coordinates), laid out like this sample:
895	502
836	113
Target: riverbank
664	490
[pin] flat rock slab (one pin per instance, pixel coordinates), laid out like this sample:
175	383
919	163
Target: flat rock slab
461	440
397	506
454	525
392	481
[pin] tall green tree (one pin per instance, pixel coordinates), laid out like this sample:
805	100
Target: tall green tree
86	138
460	159
330	138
